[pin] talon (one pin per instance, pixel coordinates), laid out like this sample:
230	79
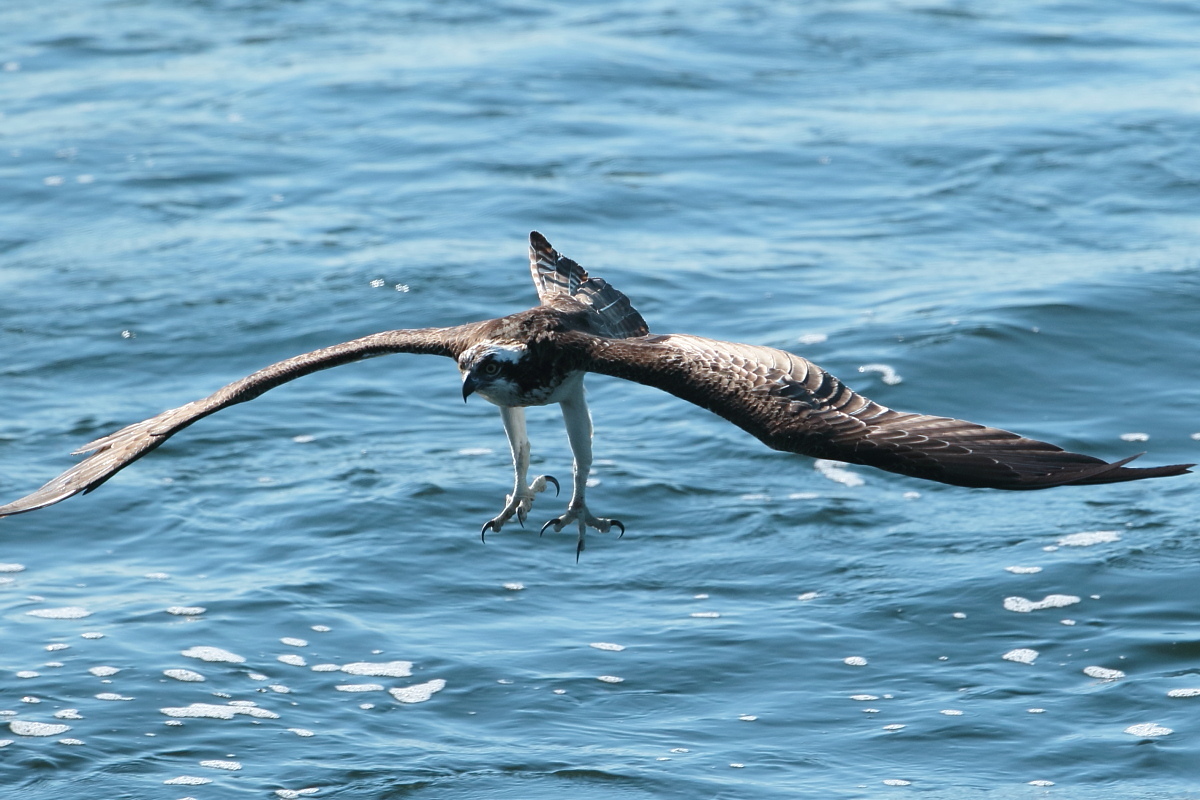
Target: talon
554	480
618	524
548	524
483	531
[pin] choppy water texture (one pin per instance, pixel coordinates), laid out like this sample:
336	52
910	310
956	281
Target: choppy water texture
997	206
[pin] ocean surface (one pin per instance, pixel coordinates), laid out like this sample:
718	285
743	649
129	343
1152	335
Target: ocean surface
972	209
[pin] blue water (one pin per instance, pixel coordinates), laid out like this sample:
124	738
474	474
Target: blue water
1000	204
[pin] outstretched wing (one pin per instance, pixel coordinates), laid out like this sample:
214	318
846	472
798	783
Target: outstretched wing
112	453
792	404
562	283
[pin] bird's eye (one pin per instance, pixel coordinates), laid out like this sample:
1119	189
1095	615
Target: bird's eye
491	368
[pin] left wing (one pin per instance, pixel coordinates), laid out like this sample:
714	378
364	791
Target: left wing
112	453
791	404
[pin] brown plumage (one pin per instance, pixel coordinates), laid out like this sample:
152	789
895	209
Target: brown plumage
584	325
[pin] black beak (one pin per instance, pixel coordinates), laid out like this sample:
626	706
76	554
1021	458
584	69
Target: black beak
469	386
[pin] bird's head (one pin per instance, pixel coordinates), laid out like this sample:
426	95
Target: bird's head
498	372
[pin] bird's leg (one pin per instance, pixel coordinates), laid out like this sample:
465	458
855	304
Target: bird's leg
579	433
521	499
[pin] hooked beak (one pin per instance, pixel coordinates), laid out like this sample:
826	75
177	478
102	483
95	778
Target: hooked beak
469	385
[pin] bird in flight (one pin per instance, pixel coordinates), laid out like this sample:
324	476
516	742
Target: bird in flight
540	356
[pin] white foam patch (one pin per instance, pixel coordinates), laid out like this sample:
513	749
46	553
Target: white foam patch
889	375
112	696
951	712
57	646
1148	730
1022	655
279	688
359	687
68	612
186	611
1184	693
812	338
157	576
1089	538
1135	437
24	727
186	780
863	698
294	660
894	727
292	794
610	679
74	742
91	635
213	711
616	648
184	675
476	451
514	586
103	672
1041	783
12	567
1023	606
68	713
836	471
1023	570
706	614
28	673
322	628
808	596
213	654
418	693
324	668
386	669
213	763
294	642
747	717
301	732
1103	674
854	661
896	782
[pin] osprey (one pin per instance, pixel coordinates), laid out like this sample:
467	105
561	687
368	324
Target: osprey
583	325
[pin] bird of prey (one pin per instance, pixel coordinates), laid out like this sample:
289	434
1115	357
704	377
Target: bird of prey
540	356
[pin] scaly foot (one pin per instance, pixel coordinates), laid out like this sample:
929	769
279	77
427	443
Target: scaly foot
580	515
518	504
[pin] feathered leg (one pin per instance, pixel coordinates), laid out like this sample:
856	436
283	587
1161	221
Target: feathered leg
521	499
579	433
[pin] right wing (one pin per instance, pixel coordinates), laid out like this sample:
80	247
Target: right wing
791	404
114	452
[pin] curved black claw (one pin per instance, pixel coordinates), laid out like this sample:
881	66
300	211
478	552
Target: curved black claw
483	531
554	480
618	524
547	525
